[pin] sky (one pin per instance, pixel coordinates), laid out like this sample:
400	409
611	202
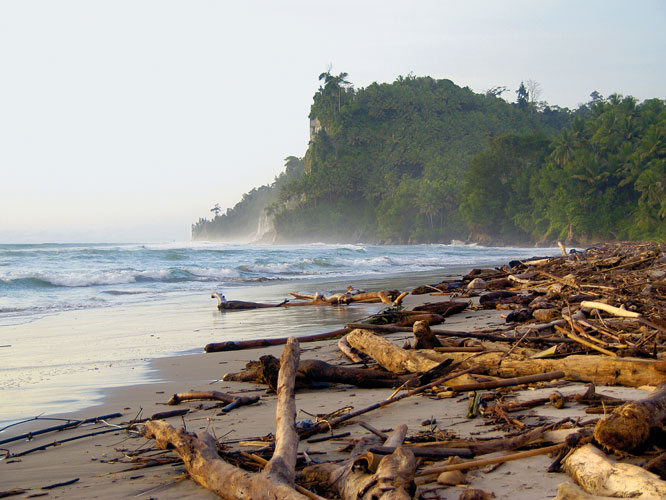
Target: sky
127	121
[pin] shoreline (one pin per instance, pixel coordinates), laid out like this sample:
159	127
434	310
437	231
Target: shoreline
100	349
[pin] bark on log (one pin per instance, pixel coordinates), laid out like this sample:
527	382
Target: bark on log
631	425
592	471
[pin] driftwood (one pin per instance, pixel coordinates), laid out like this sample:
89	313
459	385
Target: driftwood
240	305
231	400
592	471
255	343
313	370
329	424
357	478
443	308
601	370
389	297
199	452
428	474
68	425
424	338
507	382
388	355
347	350
568	491
631	425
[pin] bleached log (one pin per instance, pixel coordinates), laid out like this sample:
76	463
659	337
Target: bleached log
596	474
389	356
615	311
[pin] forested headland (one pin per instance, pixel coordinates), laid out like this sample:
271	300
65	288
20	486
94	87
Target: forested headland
422	160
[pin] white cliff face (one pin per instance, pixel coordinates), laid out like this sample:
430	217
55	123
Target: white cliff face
265	232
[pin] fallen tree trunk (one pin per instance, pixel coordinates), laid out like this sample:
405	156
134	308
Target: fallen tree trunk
601	370
199	452
632	424
592	471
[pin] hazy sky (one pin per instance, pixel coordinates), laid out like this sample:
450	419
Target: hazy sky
128	120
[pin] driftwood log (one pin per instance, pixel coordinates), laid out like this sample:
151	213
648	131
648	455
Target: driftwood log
359	479
199	452
631	425
600	370
255	343
387	355
232	400
596	474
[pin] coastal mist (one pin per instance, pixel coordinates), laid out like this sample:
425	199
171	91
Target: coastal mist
78	318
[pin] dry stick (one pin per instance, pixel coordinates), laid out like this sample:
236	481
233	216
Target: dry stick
513	347
322	426
255	343
375	431
575	337
425	475
68	425
604	332
60	441
527	379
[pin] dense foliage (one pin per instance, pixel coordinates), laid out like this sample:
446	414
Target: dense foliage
389	160
423	160
601	178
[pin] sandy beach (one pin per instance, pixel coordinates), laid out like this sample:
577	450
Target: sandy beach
102	466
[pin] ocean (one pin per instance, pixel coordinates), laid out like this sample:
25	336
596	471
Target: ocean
38	280
76	319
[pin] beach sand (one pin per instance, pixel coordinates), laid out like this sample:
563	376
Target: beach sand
100	463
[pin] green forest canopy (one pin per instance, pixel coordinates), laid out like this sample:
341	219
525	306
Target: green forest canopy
423	160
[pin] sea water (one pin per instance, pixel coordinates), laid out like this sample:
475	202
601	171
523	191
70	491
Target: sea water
36	280
77	318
